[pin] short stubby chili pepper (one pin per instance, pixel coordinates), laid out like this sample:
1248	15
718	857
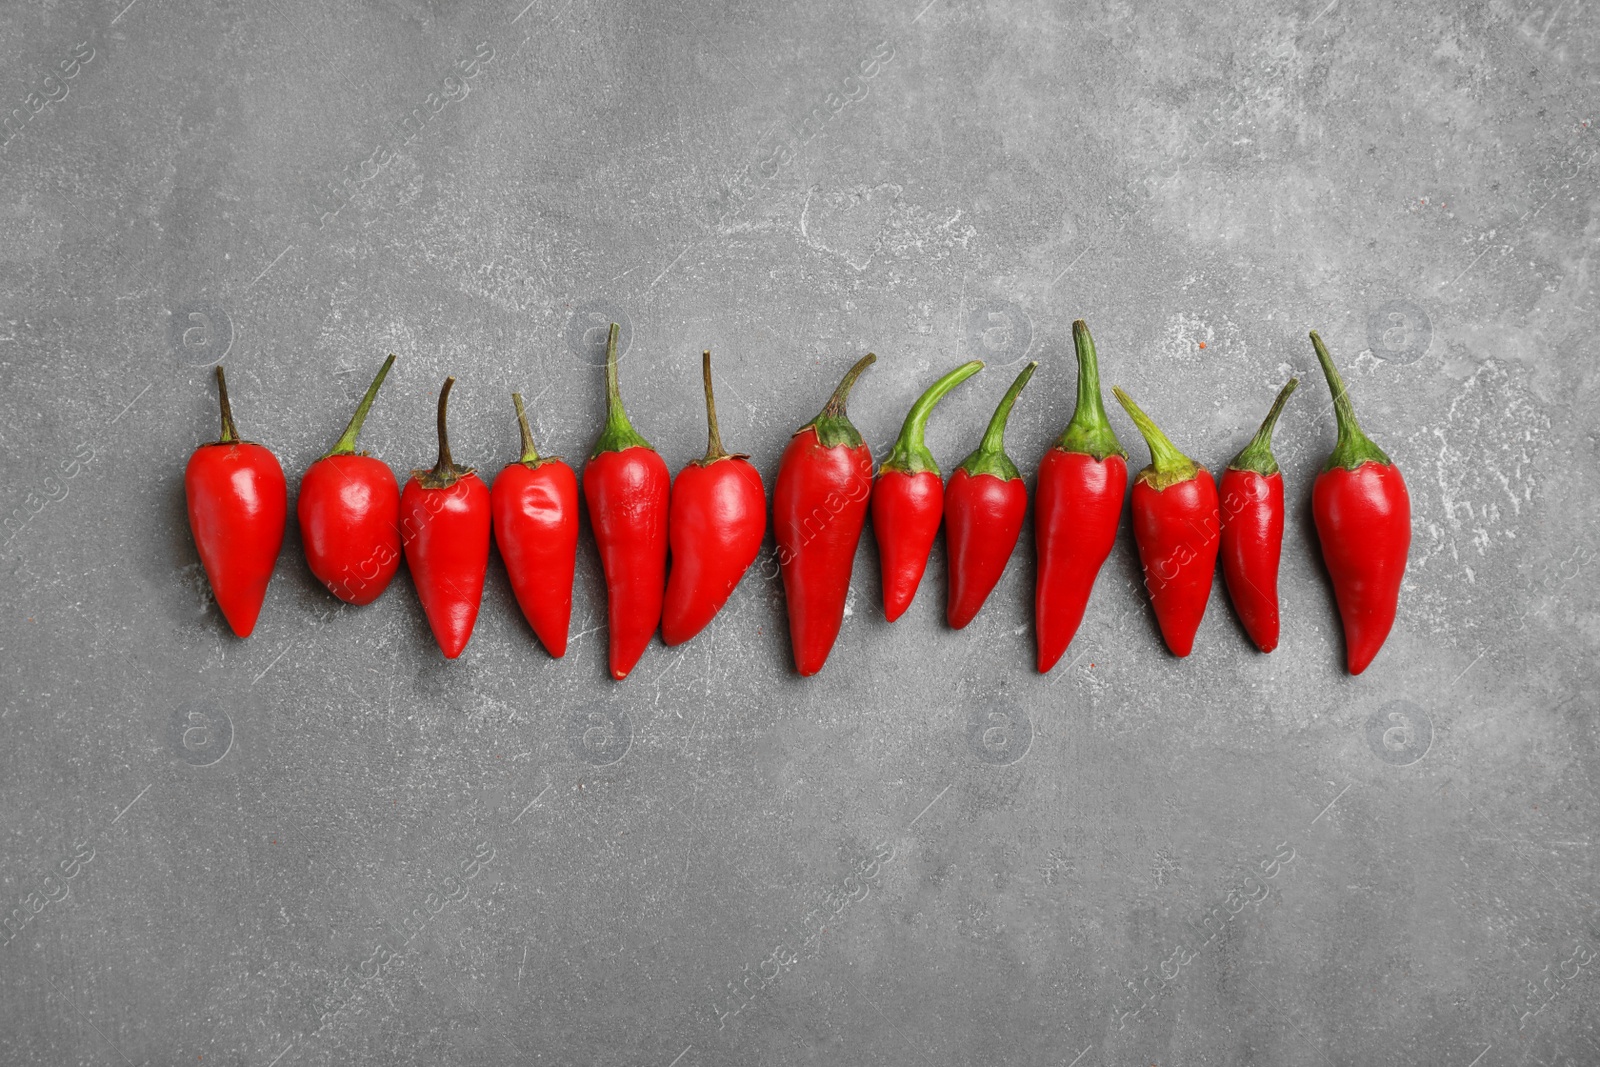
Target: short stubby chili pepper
349	509
1363	517
238	504
819	507
534	502
718	518
444	527
908	499
1176	526
1252	529
627	486
1077	507
984	505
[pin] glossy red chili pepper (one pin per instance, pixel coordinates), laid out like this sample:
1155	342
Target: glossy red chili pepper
1176	526
626	485
1252	529
237	503
534	502
983	510
818	509
349	509
908	499
718	518
1363	516
1076	508
445	530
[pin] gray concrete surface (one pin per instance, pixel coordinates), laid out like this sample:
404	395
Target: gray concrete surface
326	845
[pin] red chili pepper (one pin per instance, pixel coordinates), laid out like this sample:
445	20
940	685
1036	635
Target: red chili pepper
818	509
626	485
1363	516
1252	529
534	502
718	518
1176	525
1076	509
908	499
446	536
983	510
349	510
237	504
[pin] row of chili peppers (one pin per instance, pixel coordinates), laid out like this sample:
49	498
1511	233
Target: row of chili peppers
356	522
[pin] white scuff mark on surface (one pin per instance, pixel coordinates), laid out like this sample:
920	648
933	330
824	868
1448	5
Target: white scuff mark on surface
863	224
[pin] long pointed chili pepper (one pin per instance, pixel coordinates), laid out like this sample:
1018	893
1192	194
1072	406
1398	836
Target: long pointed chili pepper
983	510
626	485
908	499
1176	525
534	502
445	530
818	509
1252	529
718	518
349	509
1077	506
237	503
1363	516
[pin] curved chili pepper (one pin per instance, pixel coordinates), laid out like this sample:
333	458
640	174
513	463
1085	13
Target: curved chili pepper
1252	529
626	485
1077	506
445	531
718	518
908	499
1363	516
983	510
818	508
534	503
237	503
349	509
1175	524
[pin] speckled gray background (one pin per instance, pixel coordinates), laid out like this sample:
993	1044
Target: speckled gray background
326	845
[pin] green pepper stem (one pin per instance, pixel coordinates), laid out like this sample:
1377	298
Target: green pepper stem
619	433
910	455
230	432
1090	430
994	438
990	456
1257	455
714	449
445	473
1353	447
1168	466
346	444
835	407
530	455
445	459
832	425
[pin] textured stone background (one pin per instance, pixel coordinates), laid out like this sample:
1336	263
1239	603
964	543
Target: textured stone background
929	854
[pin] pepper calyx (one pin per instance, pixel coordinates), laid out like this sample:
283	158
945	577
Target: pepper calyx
530	457
1257	455
1354	447
619	433
1168	466
1090	430
445	472
990	455
832	425
230	432
346	444
714	449
909	454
